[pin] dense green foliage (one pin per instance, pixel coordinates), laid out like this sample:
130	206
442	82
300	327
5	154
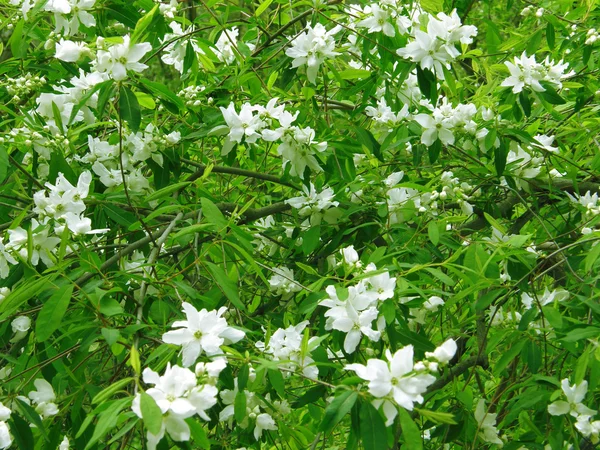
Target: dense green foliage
309	225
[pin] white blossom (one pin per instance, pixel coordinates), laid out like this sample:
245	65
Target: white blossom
203	331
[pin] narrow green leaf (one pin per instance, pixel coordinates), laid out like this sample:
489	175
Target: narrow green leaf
229	288
410	431
167	190
3	164
108	392
373	432
263	7
276	380
239	407
129	108
213	214
198	433
32	416
22	294
142	25
51	314
337	409
151	414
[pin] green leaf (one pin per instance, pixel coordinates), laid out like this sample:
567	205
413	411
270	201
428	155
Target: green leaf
277	381
509	355
21	432
108	392
373	432
167	190
196	228
108	419
227	286
432	6
580	334
129	108
139	33
198	433
151	414
32	416
440	417
162	92
3	164
311	239
410	431
22	294
263	7
354	74
550	95
427	84
110	307
591	258
51	314
337	409
433	232
550	35
239	407
243	377
190	57
213	214
145	100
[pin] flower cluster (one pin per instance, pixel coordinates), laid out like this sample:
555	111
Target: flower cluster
574	407
179	394
286	346
526	72
399	381
203	331
312	48
433	43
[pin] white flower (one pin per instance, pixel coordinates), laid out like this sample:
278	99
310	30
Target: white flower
4	413
353	316
526	72
5	437
286	344
226	45
282	282
314	204
435	127
350	256
5	259
575	395
20	327
429	52
44	398
444	353
547	297
119	58
243	125
202	331
394	379
70	51
80	14
174	52
382	285
211	369
487	424
377	20
588	201
178	397
433	303
312	47
263	422
64	445
588	428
